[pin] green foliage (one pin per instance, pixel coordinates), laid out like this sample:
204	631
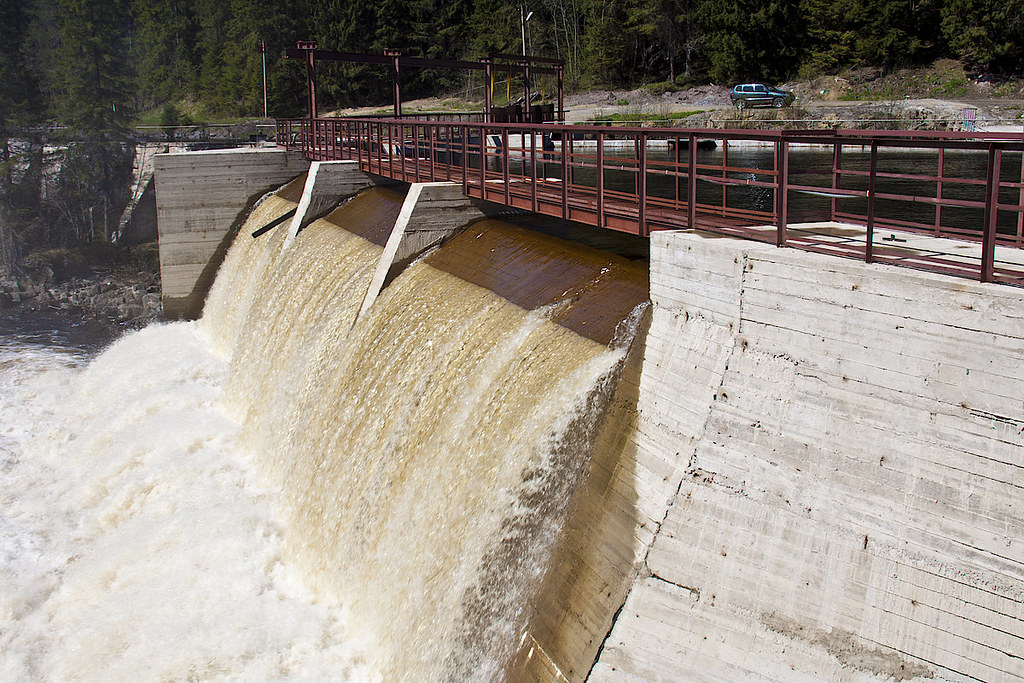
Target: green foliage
645	118
954	87
1008	89
751	39
20	97
985	35
91	63
658	89
92	74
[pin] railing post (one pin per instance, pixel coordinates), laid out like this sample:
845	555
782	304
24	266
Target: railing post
641	186
401	149
416	151
504	165
600	179
1020	204
465	159
782	190
724	174
566	147
988	243
483	162
938	192
433	150
675	173
691	181
449	141
837	163
380	148
391	150
533	168
869	237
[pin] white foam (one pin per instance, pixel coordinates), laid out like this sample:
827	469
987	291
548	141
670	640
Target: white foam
135	541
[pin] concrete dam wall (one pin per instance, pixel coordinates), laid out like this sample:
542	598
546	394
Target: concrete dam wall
805	468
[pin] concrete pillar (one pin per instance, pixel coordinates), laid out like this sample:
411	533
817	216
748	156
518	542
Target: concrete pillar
823	474
327	183
431	213
202	199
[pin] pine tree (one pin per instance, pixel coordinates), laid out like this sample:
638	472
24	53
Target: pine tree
20	97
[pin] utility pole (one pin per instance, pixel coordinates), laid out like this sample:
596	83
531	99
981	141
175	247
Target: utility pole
263	50
524	17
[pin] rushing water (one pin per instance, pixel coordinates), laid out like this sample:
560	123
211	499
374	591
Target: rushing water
271	493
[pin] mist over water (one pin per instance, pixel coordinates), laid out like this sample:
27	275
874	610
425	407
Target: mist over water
271	493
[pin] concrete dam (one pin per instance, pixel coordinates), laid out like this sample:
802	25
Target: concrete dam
513	456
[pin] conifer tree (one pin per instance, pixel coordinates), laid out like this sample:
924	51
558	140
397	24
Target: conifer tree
94	68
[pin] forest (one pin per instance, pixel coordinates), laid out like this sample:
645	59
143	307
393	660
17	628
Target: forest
82	74
97	65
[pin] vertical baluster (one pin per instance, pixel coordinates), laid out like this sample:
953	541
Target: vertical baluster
504	165
533	168
600	180
938	191
641	188
691	181
869	237
782	191
566	151
988	243
837	171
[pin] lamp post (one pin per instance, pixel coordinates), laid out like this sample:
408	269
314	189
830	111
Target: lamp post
524	17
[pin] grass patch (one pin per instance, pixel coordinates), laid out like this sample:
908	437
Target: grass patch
1008	89
953	87
641	118
869	95
658	89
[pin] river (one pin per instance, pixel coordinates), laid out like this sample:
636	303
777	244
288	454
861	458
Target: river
137	542
280	490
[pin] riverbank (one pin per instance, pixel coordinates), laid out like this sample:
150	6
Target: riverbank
119	289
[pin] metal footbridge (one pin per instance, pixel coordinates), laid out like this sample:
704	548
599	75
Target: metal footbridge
949	202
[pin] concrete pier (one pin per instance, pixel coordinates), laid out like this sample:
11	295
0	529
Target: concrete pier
818	478
431	213
327	183
202	199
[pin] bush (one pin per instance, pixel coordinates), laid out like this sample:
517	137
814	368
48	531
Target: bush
658	89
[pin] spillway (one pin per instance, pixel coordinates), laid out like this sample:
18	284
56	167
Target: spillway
424	453
459	467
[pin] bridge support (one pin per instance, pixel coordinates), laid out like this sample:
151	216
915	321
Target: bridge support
431	213
812	442
327	183
202	200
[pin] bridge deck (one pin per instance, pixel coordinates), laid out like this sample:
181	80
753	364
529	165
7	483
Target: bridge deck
962	215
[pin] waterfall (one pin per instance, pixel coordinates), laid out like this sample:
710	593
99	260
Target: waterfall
416	449
416	461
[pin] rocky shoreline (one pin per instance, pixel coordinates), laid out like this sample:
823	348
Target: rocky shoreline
115	300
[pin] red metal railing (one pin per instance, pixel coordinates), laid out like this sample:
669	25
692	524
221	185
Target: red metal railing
763	185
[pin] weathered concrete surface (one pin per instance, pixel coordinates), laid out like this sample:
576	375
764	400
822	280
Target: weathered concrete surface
822	482
202	198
